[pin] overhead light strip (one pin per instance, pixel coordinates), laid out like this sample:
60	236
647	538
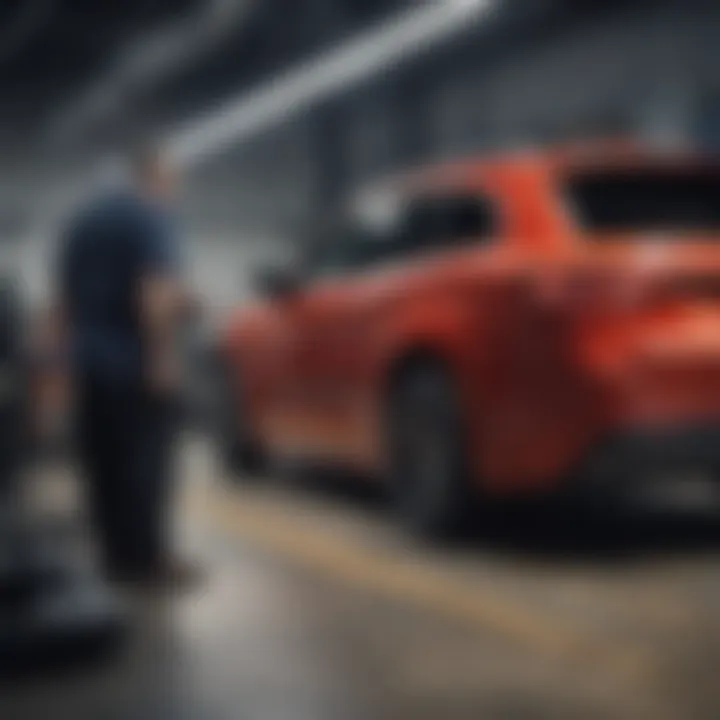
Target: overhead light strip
340	69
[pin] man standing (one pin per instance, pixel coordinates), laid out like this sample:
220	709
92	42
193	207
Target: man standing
122	302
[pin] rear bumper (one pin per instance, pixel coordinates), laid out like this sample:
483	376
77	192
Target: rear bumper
636	454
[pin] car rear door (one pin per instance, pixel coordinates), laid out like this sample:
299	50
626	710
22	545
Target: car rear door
354	290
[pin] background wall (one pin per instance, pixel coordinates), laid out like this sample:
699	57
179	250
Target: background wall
651	69
646	71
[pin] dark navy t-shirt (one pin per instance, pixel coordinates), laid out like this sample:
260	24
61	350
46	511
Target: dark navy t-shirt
108	248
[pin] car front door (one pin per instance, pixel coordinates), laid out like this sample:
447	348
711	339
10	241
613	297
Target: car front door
327	338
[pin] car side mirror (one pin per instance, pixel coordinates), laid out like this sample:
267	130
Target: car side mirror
277	282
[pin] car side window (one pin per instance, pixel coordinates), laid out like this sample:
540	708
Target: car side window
422	224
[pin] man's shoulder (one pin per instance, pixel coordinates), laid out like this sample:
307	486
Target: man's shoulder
116	203
117	212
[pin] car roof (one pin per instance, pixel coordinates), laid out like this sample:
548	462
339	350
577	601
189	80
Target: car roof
475	171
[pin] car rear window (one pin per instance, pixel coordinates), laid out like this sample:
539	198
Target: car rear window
648	199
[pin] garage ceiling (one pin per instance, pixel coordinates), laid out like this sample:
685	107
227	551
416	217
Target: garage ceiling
59	58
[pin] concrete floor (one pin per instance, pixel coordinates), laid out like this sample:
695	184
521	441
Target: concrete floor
319	606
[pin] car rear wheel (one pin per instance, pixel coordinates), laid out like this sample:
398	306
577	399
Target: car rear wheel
241	454
428	453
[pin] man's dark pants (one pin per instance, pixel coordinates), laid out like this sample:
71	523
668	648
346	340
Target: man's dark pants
126	443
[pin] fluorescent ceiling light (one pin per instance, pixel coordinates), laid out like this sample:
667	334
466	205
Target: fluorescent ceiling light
340	69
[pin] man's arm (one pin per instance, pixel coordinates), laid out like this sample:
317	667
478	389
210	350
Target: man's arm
161	300
164	302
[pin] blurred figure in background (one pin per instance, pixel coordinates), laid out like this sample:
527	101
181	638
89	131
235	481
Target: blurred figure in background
50	389
122	301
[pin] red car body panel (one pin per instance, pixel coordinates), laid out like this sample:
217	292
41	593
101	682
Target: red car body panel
553	339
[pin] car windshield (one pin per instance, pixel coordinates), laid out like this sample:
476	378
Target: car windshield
646	199
340	245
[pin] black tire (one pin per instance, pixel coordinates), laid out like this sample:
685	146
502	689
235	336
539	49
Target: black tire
428	453
241	455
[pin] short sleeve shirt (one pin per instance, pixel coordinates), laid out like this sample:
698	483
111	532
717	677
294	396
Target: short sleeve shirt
109	247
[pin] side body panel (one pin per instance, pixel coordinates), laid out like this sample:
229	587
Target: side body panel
541	375
318	366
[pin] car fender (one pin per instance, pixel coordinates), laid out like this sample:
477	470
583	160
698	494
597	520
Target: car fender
447	332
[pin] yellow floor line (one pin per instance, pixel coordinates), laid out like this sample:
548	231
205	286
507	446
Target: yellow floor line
391	576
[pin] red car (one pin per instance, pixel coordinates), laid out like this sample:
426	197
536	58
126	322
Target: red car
504	325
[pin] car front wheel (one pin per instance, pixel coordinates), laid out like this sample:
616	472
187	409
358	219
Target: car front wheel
427	452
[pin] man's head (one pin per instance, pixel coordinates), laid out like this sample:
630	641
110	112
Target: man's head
152	171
